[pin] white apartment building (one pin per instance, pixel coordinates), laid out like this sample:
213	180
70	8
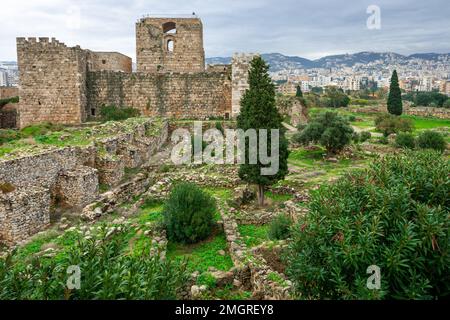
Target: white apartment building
3	78
426	84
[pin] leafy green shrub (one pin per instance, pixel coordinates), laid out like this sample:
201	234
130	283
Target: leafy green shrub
106	273
334	98
8	135
389	124
114	113
446	104
4	102
279	228
383	140
301	126
431	140
356	138
393	215
164	168
219	127
207	279
405	140
189	214
364	136
329	129
351	118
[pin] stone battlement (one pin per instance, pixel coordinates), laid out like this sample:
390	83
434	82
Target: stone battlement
42	41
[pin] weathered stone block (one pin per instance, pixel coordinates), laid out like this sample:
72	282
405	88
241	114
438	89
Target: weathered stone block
77	187
23	212
111	169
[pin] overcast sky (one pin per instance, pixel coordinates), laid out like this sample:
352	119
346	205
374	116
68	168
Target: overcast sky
309	29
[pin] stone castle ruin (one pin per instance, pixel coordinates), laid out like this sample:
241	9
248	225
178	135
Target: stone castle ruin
69	85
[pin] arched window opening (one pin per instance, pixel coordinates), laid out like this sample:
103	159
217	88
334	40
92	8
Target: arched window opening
170	45
170	27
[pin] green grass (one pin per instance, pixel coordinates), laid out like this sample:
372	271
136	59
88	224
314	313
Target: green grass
150	211
278	197
421	123
202	255
35	245
221	193
366	120
254	235
306	157
228	293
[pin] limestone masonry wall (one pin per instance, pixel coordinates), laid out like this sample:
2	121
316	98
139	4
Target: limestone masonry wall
66	85
8	92
170	44
52	82
111	61
69	176
178	95
240	67
8	116
23	213
440	113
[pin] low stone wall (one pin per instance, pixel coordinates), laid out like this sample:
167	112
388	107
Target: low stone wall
78	187
440	113
23	213
246	261
111	200
70	176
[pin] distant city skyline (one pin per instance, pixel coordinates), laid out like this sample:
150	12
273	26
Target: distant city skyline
308	29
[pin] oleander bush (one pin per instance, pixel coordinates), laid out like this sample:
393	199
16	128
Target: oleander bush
189	213
394	215
107	272
405	140
431	140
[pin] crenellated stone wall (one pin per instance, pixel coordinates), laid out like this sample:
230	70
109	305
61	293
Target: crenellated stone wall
178	95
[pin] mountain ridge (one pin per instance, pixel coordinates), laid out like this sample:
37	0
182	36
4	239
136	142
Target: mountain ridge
278	61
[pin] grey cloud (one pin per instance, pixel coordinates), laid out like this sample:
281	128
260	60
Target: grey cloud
305	28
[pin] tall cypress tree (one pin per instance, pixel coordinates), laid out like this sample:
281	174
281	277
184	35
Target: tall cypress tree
394	102
258	111
299	93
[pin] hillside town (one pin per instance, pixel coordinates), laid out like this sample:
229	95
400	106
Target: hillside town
420	73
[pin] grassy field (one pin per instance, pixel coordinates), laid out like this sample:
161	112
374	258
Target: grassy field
366	120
